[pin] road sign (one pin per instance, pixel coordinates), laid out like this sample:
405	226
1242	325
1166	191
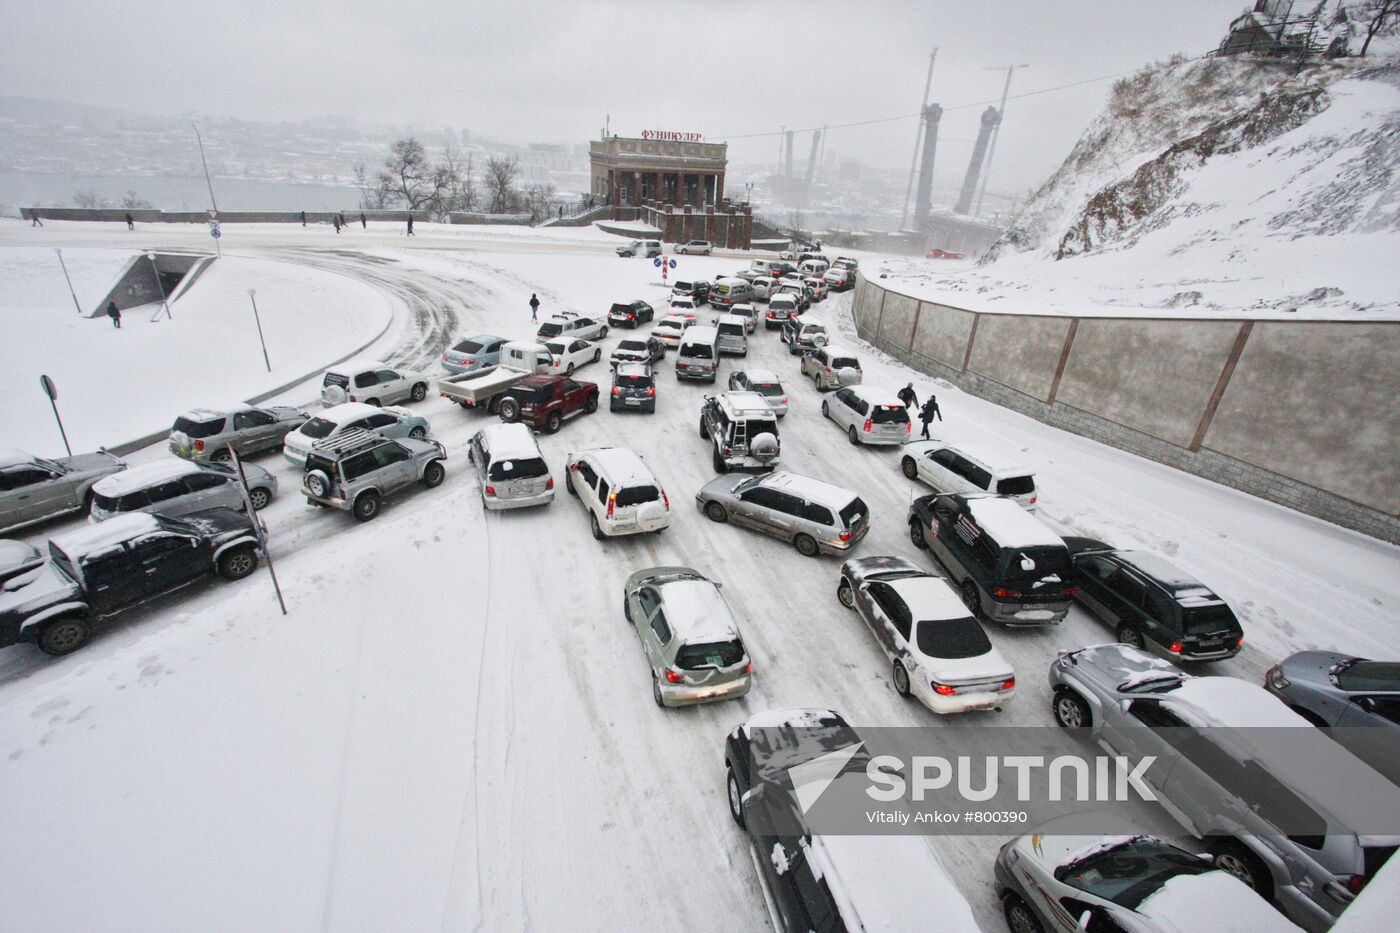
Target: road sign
672	262
51	391
215	233
49	388
656	262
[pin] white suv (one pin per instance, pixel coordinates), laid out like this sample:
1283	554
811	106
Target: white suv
372	382
832	367
621	494
571	326
703	247
957	467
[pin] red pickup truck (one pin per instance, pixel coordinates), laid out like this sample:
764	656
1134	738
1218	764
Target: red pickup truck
544	402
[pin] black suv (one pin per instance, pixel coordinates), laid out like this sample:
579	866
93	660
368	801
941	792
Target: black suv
699	291
1152	604
630	313
122	562
633	388
1009	567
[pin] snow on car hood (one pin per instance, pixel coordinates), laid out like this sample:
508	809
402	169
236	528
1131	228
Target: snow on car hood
44	586
1212	901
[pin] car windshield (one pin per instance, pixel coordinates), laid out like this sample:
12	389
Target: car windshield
556	348
952	638
524	468
191	428
1204	619
769	389
889	414
622	309
1016	485
1130	872
636	495
130	502
1360	675
701	351
714	654
550	330
318	428
731	330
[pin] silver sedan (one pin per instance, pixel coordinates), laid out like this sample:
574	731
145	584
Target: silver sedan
33	489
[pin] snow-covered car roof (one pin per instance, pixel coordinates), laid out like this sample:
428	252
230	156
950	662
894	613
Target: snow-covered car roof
343	412
784	299
673	320
876	395
882	882
797	718
813	490
1213	901
833	351
930	598
1243	704
511	442
986	456
146	474
209	412
761	375
1011	525
697	612
747	404
116	530
623	465
13	456
355	366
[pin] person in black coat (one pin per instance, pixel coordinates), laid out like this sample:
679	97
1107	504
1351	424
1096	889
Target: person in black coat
410	224
534	307
364	224
130	224
303	218
114	314
907	397
929	412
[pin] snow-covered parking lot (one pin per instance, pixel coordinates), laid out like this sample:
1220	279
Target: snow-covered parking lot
453	727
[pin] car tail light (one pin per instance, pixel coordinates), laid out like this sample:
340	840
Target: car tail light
353	399
1239	641
942	690
827	370
1174	647
651	391
748	668
725	451
666	500
1008	683
1003	592
549	483
1355	883
844	535
1068	591
446	358
867	420
908	426
612	501
1033	498
555	363
629	317
490	490
617	390
784	399
674	677
198	445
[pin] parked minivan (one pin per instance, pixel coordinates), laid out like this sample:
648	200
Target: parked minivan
733	334
727	292
813	267
817	517
698	357
1009	567
949	467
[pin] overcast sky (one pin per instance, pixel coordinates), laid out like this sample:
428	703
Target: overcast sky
549	70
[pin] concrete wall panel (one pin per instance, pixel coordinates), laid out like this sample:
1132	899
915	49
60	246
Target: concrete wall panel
1020	352
1155	376
867	306
897	324
943	333
1316	401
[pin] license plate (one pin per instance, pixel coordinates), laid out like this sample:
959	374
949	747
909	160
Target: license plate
1035	614
1208	645
632	401
625	526
517	489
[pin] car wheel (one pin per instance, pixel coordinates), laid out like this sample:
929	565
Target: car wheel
656	692
433	474
845	594
1019	917
716	513
372	401
704	432
597	355
366	506
852	435
509	409
222	455
591	405
259	498
237	563
720	465
551	425
62	636
910	468
569	485
597	531
972	597
826	409
418	433
901	679
806	545
1071	712
1233	858
419	392
603	333
916	534
736	798
570	370
1131	635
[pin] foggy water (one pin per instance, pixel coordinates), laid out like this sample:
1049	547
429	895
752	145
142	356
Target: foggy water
174	193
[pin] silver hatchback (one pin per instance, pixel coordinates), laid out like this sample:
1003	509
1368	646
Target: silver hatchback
817	517
512	469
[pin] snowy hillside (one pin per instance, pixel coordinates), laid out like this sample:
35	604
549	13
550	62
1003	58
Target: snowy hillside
1237	185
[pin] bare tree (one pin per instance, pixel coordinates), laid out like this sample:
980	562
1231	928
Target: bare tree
500	184
408	177
538	200
131	201
374	196
458	187
89	199
1381	14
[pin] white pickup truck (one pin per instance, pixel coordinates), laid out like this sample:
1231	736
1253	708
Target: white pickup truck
483	388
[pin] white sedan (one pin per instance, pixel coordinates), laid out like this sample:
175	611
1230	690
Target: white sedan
568	355
937	650
670	328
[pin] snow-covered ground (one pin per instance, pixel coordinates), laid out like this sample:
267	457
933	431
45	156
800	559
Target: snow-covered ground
453	727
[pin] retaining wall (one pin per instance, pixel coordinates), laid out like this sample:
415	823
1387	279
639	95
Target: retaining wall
149	216
1301	413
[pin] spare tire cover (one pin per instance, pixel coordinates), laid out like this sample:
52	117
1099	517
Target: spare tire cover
319	483
337	394
764	447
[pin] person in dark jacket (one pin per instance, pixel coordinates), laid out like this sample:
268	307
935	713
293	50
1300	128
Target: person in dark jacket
343	222
364	224
303	218
335	221
534	307
34	220
907	397
929	412
130	224
114	314
410	224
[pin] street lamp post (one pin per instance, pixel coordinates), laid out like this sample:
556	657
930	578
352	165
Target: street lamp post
160	285
69	280
258	321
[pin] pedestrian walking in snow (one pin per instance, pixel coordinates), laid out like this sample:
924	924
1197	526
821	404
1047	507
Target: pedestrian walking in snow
34	220
410	224
335	220
342	219
364	224
303	218
114	314
561	212
907	396
929	412
534	307
130	224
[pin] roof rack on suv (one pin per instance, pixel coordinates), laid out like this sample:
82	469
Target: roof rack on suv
348	442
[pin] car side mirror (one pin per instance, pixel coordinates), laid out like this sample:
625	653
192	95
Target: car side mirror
1367	703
